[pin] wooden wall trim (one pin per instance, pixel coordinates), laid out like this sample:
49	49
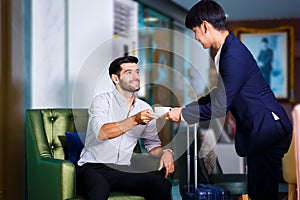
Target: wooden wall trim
4	83
1	111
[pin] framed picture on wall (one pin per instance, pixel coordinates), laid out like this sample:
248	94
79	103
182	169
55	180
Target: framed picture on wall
273	50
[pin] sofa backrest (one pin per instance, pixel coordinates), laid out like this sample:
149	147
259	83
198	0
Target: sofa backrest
50	126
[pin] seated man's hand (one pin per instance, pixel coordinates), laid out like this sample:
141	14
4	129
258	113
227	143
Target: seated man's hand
144	117
167	161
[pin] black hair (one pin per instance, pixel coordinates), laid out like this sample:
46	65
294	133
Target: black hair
265	40
115	66
209	11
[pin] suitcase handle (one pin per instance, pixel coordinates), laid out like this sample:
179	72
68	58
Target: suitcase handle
195	156
189	157
188	154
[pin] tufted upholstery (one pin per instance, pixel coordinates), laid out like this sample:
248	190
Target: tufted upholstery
48	174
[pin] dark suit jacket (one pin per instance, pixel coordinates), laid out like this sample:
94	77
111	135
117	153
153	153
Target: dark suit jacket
242	90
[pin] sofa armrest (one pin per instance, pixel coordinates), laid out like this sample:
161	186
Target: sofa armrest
51	179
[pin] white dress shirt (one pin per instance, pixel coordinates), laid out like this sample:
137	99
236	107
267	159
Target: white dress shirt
113	107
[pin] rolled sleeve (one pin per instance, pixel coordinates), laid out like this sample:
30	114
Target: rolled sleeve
98	115
150	136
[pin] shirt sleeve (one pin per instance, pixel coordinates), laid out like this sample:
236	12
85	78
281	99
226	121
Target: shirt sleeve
98	114
150	136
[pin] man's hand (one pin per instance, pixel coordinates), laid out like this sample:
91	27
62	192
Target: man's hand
174	115
144	117
115	129
167	161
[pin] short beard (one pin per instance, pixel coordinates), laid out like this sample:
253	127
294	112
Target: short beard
128	88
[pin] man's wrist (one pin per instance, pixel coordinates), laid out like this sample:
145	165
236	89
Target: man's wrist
169	150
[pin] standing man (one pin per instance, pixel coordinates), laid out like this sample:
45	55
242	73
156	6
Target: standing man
116	120
263	132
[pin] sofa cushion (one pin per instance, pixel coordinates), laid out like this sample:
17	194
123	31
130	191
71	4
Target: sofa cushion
75	143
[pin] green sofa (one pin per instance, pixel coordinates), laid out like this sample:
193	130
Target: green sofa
49	175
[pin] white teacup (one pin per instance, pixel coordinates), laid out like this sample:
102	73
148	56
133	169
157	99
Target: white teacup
159	111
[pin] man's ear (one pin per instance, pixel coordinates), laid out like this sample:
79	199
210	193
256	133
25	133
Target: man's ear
204	26
115	78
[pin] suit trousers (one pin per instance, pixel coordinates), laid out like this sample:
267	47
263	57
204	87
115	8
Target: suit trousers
95	181
264	168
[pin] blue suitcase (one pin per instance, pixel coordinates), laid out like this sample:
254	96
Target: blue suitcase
190	192
203	191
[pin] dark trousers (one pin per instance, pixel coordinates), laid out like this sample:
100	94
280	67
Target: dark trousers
96	181
264	169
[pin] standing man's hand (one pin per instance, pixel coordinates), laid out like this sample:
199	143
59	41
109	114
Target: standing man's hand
174	115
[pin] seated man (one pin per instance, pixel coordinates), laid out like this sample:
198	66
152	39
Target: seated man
116	120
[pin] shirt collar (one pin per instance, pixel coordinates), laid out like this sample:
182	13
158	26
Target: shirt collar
121	99
217	57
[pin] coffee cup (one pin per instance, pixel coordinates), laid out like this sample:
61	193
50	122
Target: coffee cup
160	111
